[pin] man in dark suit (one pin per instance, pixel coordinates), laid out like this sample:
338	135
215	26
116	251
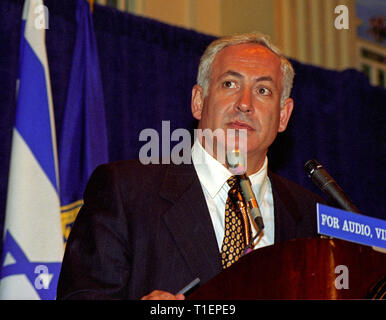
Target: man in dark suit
145	231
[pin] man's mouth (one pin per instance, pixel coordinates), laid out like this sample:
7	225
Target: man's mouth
239	125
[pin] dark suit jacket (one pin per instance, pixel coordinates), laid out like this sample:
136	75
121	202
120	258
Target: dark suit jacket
143	228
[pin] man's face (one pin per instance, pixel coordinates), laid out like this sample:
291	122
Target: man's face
244	93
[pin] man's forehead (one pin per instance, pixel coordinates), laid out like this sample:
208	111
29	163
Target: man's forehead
247	51
249	48
251	56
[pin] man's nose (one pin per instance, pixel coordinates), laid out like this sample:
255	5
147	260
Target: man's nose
244	103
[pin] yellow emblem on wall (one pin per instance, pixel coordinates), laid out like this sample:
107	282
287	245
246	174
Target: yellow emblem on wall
68	216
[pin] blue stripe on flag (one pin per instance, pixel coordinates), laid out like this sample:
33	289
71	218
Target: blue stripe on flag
32	113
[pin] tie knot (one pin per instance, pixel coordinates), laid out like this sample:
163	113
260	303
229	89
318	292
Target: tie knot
231	181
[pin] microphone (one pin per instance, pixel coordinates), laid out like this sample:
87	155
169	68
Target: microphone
328	185
250	199
237	165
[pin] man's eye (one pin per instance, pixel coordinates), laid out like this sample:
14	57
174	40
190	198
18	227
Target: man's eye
229	84
264	91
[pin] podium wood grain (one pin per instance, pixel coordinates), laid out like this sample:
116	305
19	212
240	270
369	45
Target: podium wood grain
298	269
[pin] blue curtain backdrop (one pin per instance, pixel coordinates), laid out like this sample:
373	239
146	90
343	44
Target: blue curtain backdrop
148	69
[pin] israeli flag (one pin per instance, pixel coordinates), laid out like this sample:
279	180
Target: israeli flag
33	240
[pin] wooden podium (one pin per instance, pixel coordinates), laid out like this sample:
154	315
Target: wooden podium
300	269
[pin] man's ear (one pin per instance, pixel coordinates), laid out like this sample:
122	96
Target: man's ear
285	114
197	102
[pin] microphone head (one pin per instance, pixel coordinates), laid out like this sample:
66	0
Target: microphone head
310	166
236	162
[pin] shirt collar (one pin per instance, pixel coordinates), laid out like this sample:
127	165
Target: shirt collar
213	175
259	181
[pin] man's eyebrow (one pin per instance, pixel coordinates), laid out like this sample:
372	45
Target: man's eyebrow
239	75
264	78
231	73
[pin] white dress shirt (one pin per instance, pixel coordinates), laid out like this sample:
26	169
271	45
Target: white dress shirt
213	176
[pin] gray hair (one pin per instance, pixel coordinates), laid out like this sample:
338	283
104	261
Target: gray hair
206	61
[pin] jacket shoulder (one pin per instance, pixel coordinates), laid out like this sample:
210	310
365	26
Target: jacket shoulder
298	191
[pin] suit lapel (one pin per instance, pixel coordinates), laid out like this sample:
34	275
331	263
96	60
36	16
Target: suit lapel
189	221
285	210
